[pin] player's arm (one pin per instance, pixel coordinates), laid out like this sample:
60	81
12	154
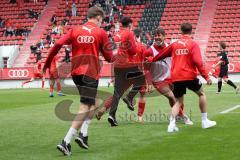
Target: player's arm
66	39
198	61
106	48
167	52
218	63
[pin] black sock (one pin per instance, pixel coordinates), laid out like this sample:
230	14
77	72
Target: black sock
219	86
231	84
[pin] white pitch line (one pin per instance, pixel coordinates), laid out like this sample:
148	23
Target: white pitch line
230	109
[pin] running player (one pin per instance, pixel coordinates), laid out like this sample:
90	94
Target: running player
87	41
186	60
126	70
223	68
37	73
160	76
54	77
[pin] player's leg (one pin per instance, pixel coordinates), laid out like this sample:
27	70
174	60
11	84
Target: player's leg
174	112
65	146
165	89
179	89
59	87
82	138
107	104
229	82
196	86
43	81
87	88
121	84
51	83
141	106
138	80
28	81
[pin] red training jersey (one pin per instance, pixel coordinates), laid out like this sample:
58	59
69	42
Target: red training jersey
186	59
87	41
126	50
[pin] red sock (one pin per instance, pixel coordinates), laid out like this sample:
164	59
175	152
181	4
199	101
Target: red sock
141	108
42	84
108	102
181	111
59	88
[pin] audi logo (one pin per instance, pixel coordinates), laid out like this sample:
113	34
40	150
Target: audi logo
85	39
18	73
181	51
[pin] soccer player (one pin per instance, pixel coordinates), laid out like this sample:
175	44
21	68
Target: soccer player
54	77
87	41
37	73
223	68
186	61
160	76
126	70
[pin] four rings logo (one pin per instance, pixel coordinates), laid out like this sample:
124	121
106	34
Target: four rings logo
85	39
18	73
181	51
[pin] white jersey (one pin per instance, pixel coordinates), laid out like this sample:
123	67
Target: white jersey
160	70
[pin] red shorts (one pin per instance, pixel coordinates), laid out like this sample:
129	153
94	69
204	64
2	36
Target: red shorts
53	75
37	75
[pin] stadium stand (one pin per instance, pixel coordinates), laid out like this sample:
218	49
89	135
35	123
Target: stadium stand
177	12
16	17
225	28
151	16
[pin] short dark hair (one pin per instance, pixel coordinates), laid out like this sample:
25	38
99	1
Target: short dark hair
126	21
137	32
93	12
158	31
223	45
186	28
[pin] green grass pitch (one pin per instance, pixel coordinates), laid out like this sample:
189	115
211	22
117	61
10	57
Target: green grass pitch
30	130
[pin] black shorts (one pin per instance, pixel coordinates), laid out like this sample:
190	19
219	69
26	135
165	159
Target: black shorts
87	88
223	72
180	87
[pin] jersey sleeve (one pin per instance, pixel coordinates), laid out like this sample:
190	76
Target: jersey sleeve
148	52
106	47
198	61
167	52
65	40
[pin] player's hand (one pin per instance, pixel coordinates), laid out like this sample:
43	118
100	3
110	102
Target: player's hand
150	88
213	66
149	59
209	82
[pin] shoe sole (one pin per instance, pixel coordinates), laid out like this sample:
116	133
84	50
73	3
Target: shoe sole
81	144
112	122
63	150
128	104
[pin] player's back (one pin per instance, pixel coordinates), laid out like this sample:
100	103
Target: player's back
126	49
183	65
87	42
